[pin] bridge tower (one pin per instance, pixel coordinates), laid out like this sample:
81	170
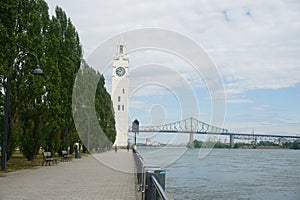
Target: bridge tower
120	82
231	140
280	142
191	141
189	124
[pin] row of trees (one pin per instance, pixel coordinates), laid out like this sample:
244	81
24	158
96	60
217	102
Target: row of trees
210	144
92	109
287	145
41	106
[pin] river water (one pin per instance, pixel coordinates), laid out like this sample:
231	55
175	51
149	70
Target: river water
228	173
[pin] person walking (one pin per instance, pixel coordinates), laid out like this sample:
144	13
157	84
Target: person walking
128	146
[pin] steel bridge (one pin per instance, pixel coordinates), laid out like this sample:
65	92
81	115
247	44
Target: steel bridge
193	126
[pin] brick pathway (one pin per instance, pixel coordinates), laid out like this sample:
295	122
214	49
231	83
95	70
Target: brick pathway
86	178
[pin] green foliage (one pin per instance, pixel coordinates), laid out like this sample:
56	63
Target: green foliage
63	55
197	144
287	145
240	145
21	32
221	145
210	144
41	107
267	143
292	145
93	110
104	110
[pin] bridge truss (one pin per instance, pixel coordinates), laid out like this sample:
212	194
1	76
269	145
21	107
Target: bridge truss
194	126
189	125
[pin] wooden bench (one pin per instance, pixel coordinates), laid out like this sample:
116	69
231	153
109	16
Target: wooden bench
48	158
65	156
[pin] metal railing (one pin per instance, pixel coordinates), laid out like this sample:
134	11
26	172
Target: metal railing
159	192
150	179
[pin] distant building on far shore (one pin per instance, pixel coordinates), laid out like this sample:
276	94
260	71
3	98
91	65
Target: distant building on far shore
150	143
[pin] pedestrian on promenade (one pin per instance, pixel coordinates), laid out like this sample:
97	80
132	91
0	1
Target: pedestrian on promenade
116	148
128	146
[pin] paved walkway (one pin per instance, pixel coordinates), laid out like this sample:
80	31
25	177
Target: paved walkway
86	178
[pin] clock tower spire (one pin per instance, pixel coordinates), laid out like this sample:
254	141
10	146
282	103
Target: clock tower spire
120	85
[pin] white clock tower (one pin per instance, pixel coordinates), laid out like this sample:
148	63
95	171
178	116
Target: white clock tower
120	93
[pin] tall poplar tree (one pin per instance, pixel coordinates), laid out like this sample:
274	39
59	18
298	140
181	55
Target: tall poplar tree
93	110
22	26
41	106
64	53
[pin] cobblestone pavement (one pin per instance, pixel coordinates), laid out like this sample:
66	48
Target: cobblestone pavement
85	178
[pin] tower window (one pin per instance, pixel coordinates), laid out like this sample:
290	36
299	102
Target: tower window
121	49
119	107
122	107
123	91
119	98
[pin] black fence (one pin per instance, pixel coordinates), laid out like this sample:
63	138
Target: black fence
151	180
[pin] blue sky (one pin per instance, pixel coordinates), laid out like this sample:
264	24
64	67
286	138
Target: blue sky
254	45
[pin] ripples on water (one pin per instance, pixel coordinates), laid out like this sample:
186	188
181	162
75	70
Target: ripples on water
228	173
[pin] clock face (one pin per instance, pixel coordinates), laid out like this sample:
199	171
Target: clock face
120	71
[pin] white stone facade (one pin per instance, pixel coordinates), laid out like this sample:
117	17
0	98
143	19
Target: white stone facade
120	81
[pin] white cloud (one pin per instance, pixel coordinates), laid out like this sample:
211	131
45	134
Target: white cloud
261	107
264	127
260	49
138	104
245	39
254	44
239	101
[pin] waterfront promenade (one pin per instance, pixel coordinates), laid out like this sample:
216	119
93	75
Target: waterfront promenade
85	178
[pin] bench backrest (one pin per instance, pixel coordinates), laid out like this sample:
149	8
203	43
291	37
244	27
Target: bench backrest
64	152
47	154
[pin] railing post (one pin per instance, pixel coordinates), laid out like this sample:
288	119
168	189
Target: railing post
151	180
155	184
149	188
161	175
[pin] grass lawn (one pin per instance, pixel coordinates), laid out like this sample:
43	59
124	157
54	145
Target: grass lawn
18	161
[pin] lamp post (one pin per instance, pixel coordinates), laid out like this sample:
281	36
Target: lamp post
135	129
88	129
67	137
36	71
